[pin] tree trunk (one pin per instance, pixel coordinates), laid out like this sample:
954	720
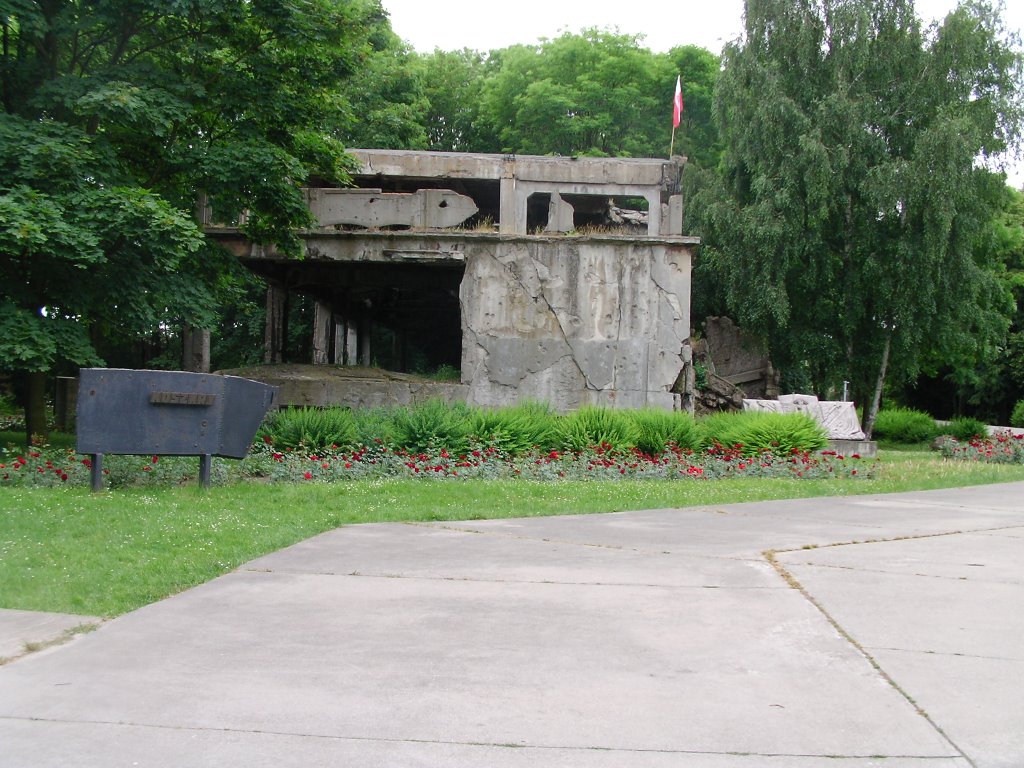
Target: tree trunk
876	401
35	407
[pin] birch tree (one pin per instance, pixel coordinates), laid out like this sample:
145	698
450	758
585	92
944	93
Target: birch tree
859	183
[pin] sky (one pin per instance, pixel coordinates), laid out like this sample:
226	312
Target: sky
456	24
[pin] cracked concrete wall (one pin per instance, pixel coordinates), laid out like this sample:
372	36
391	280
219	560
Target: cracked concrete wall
575	322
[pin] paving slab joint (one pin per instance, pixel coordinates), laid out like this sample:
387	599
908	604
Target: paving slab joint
770	556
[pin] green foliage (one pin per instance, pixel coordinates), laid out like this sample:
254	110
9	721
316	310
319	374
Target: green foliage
965	429
1017	417
756	432
114	115
905	425
445	372
596	426
593	93
516	429
452	86
850	174
432	424
656	428
375	424
310	429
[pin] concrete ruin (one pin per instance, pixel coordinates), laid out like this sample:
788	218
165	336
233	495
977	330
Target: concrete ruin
535	277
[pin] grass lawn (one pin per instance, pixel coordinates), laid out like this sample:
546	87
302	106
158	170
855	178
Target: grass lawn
65	549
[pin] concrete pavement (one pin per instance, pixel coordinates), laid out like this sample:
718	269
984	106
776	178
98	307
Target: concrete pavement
861	631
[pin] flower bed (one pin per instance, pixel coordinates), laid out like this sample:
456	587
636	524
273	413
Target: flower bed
52	467
1001	448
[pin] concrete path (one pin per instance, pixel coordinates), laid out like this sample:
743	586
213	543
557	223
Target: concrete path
24	632
866	631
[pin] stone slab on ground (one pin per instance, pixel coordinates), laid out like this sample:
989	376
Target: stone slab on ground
22	630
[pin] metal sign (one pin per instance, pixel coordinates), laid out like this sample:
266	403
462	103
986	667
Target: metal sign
168	413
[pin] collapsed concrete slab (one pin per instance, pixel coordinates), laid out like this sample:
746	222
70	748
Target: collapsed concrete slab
504	267
425	208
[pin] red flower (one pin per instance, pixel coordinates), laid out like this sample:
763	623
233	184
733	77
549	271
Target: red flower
155	459
308	475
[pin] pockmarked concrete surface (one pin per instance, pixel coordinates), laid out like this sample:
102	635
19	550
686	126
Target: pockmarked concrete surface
860	631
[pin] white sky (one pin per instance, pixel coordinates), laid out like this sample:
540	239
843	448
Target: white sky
455	24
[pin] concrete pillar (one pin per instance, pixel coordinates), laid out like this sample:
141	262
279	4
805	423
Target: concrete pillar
560	215
351	342
321	333
673	225
507	204
273	337
653	214
195	349
363	339
337	355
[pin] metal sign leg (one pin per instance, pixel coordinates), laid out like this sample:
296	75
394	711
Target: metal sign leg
96	472
205	464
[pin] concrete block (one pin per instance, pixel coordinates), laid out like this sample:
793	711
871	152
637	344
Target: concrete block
428	208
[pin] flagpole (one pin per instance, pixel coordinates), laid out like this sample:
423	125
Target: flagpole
672	144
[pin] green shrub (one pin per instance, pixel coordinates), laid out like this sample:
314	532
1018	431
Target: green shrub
655	428
516	429
445	372
312	429
432	424
1017	417
593	426
905	425
755	432
374	424
963	429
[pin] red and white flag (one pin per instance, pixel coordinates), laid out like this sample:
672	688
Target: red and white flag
677	103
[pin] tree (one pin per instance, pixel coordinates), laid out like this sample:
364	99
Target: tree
850	223
594	93
115	115
697	137
388	106
452	85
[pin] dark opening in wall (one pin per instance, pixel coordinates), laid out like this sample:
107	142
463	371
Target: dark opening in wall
403	317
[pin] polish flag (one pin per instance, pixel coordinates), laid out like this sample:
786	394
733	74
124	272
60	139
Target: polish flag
677	103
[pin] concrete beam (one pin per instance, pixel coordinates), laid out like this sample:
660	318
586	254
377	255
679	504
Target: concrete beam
464	165
426	208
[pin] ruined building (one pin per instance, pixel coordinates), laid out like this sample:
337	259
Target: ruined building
535	277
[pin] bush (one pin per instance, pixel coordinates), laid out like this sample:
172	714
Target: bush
756	432
656	428
1017	417
433	424
965	429
905	425
312	429
516	429
375	424
594	426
